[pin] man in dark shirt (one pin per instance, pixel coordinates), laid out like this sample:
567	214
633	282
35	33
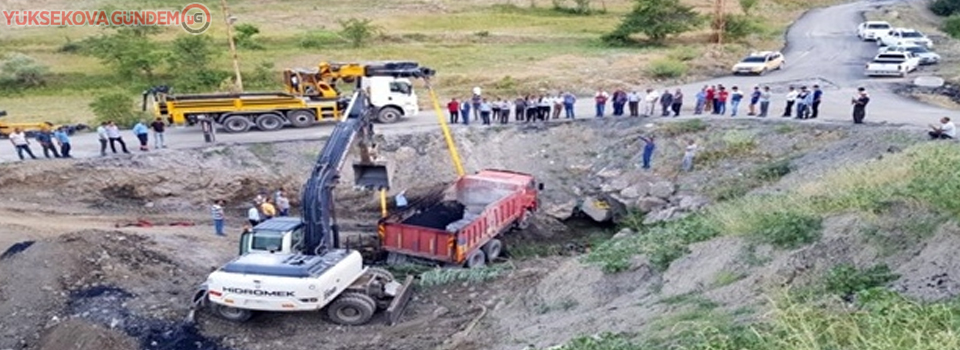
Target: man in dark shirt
158	127
45	138
815	108
860	105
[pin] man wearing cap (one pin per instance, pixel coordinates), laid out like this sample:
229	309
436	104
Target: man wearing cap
859	102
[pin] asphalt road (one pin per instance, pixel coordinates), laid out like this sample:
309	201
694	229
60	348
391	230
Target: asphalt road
822	48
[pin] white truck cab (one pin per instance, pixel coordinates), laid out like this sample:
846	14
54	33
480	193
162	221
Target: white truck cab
277	235
394	97
872	30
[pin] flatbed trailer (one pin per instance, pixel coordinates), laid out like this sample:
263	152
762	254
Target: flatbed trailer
238	113
464	228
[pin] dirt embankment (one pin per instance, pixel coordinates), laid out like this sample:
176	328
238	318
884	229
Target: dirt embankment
121	288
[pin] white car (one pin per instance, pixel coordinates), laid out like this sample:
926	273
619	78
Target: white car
926	56
903	37
892	64
871	30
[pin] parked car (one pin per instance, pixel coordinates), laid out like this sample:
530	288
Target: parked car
871	30
904	36
892	64
926	56
760	63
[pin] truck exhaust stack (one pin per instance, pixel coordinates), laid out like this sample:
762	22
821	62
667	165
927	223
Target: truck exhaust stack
371	176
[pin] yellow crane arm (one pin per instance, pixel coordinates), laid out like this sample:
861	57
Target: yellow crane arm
447	135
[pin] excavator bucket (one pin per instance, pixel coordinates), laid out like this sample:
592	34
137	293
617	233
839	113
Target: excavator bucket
371	176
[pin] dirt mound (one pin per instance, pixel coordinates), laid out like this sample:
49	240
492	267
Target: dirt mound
40	284
80	335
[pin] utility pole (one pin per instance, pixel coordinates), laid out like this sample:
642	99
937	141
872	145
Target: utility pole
718	20
233	47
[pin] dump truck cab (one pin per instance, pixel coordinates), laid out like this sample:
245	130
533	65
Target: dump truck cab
278	235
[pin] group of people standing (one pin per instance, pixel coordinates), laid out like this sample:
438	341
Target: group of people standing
263	208
53	142
108	133
524	108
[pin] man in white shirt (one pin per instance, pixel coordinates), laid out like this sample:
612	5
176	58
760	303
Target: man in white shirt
633	101
688	155
20	142
945	131
791	99
102	137
650	102
253	215
113	133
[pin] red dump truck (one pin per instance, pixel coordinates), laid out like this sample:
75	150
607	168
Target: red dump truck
463	227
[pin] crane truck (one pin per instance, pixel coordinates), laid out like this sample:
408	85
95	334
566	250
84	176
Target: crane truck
308	97
319	274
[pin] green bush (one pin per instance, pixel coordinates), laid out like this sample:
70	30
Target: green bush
738	27
773	171
666	68
951	26
117	107
22	71
945	8
656	19
319	39
244	36
661	243
845	279
788	229
358	32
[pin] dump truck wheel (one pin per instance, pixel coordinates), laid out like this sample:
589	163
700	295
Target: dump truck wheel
381	274
231	313
301	118
269	122
389	115
492	249
351	309
477	260
524	221
236	124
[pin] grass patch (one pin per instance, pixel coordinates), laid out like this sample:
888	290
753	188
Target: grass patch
787	229
733	144
845	279
666	68
661	243
445	276
880	320
264	152
689	126
726	278
733	188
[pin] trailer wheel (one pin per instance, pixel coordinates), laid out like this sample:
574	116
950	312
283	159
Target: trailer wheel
381	274
524	221
477	260
236	124
231	313
269	122
301	118
351	309
492	249
388	115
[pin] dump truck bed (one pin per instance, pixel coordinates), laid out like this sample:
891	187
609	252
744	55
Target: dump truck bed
474	210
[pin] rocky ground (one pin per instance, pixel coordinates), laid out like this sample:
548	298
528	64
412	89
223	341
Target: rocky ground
109	287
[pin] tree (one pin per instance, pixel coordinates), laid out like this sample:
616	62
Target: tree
23	71
657	19
189	62
130	52
358	31
117	107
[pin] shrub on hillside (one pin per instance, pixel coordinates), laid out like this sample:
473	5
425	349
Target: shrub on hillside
666	68
319	39
656	19
846	280
738	27
358	32
945	7
788	229
951	26
22	71
244	36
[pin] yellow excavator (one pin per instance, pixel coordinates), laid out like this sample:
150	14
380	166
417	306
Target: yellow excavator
308	97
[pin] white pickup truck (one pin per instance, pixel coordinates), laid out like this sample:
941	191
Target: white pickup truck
904	37
893	64
871	30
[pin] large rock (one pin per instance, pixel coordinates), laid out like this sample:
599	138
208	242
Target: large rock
662	189
596	209
636	190
623	233
616	185
561	211
671	213
648	204
691	203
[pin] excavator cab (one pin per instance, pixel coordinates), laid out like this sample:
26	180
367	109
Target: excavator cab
371	176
